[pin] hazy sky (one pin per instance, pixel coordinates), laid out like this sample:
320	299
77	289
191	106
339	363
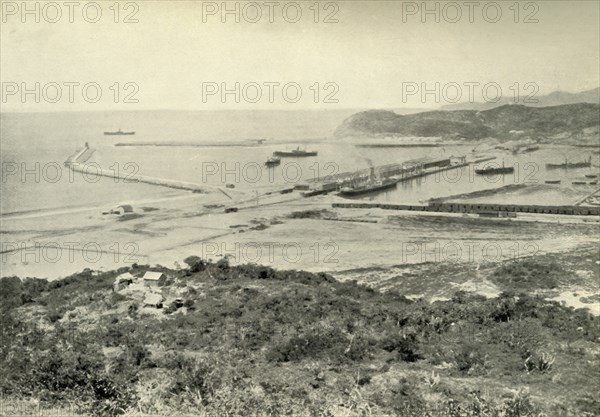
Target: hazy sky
367	56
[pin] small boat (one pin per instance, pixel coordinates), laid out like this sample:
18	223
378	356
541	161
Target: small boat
579	183
567	164
552	181
271	162
591	176
295	153
593	182
119	133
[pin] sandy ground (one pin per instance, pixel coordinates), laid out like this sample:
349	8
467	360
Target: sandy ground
167	230
383	248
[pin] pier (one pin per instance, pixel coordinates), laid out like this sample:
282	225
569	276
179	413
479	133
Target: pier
405	171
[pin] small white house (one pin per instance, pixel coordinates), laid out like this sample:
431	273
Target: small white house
122	209
152	278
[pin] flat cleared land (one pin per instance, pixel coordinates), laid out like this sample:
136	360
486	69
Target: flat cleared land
264	231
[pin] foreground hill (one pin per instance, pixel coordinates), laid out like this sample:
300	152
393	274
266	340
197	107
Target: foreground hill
501	122
556	98
252	341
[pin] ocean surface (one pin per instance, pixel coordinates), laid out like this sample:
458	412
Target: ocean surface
220	148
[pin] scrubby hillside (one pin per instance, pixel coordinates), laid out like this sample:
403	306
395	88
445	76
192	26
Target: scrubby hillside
567	120
253	341
556	98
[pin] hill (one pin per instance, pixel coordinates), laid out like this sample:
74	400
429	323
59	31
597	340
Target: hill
556	98
252	341
536	122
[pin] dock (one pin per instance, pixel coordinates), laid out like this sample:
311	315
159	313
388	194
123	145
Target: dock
399	172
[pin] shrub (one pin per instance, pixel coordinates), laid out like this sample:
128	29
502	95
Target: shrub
523	336
528	275
469	358
193	376
316	343
195	264
520	406
223	265
539	362
171	308
406	345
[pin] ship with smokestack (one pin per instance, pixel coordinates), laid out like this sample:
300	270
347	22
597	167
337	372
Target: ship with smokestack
119	133
371	185
294	153
567	164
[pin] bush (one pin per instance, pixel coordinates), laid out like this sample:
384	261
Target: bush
319	343
528	275
469	359
541	362
523	336
195	264
171	308
406	345
223	265
199	376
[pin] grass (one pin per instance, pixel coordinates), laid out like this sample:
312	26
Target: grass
250	340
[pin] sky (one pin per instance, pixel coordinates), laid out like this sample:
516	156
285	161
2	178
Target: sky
181	55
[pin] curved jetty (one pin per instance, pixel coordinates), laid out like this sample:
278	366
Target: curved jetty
76	162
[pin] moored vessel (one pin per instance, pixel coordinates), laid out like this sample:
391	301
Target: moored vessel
295	153
119	133
495	170
371	185
366	188
273	161
567	164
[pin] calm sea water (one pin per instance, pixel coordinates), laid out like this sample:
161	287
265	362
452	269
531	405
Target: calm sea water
35	145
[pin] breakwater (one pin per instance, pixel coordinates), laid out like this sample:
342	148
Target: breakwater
80	156
91	170
478	208
76	162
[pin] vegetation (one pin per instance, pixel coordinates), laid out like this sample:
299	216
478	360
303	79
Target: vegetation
537	122
529	275
250	341
312	214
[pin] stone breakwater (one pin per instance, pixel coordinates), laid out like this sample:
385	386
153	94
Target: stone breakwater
76	162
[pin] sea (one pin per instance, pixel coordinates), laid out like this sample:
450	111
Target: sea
215	148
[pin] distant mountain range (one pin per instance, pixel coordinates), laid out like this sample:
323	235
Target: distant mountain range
504	122
555	98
